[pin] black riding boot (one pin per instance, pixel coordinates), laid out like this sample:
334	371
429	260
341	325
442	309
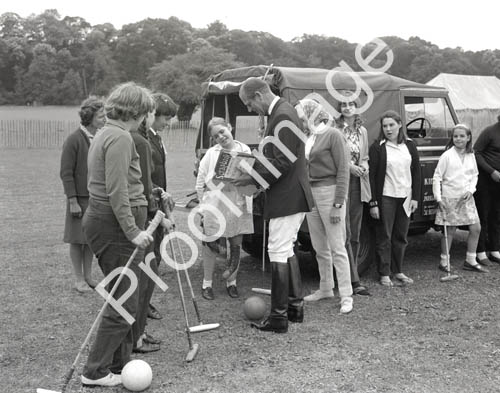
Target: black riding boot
277	321
295	292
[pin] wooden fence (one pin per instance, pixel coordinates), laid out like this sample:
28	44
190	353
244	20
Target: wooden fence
51	134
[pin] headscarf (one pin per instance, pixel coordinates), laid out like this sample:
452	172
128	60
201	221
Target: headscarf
314	111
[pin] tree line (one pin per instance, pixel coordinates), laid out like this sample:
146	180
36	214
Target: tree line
49	60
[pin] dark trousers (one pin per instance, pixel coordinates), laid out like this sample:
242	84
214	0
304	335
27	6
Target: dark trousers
391	235
487	198
353	219
113	344
146	288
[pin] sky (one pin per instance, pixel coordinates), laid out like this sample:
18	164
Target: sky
471	25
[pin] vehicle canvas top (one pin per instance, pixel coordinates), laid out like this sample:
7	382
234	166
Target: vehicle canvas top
220	93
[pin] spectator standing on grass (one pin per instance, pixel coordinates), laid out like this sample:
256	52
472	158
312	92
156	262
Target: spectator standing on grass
350	123
454	184
287	199
114	224
328	169
165	110
143	342
395	187
235	227
487	149
74	178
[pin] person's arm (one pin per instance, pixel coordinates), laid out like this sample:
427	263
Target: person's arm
474	175
341	159
118	157
202	174
363	150
437	181
145	162
482	143
374	162
68	166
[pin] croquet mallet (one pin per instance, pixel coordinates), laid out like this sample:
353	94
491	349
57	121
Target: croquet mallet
150	230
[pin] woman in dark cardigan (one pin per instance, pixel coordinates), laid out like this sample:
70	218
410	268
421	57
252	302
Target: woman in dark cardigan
395	186
74	178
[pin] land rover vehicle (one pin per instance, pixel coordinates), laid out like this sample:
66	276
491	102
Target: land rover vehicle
427	113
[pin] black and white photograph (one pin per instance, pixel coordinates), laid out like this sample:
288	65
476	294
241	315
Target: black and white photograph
265	197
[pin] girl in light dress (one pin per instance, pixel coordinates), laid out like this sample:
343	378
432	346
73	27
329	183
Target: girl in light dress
454	184
235	226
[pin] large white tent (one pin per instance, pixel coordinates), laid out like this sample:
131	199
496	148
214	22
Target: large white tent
476	98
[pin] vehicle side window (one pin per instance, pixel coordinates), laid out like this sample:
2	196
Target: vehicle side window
428	117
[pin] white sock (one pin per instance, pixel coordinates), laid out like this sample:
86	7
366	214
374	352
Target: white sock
481	255
444	259
207	284
470	257
496	254
229	283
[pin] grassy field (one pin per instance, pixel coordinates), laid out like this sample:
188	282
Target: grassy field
427	337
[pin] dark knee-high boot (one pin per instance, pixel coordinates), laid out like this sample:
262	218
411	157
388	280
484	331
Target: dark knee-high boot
295	292
277	321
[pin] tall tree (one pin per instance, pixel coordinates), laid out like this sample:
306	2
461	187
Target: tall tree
182	76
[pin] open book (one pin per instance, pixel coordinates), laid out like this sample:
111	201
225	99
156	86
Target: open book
228	164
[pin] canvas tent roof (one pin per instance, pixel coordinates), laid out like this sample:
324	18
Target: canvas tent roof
470	91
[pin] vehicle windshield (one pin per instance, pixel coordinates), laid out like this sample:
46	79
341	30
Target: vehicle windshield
428	117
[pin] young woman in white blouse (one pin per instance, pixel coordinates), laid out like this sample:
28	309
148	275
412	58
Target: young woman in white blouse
395	186
454	184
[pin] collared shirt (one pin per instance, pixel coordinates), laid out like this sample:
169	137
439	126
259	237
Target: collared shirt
397	182
86	133
273	103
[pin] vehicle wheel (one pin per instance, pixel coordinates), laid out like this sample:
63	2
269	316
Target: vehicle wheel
366	254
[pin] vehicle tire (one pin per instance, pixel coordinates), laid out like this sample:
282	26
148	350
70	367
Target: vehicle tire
252	245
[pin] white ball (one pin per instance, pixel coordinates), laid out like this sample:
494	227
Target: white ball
137	375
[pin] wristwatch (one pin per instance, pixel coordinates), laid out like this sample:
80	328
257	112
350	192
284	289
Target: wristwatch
337	205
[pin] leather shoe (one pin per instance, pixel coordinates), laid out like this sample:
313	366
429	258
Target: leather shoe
475	268
276	326
153	313
207	293
232	291
146	348
484	261
109	380
296	314
149	339
494	259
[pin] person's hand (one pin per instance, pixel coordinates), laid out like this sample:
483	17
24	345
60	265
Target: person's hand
357	170
467	196
142	240
167	224
335	215
495	175
243	180
375	213
167	200
442	207
413	206
74	208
